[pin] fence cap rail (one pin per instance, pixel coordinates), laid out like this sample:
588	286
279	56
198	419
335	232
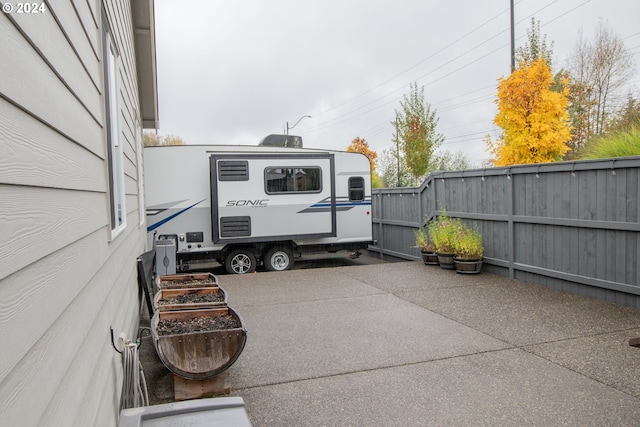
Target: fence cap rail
571	166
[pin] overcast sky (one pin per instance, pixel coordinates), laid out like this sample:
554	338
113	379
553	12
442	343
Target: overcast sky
234	71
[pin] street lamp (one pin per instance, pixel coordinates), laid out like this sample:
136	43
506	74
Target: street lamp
291	127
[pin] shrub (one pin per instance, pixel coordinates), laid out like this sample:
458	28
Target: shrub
620	144
423	242
468	243
442	233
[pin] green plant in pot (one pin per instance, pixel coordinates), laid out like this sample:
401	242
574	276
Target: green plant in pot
468	250
442	232
427	248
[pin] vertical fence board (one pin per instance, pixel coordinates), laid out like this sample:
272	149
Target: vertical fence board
568	225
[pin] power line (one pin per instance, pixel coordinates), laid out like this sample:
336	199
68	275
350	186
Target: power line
413	66
332	122
382	127
464	135
466	103
568	11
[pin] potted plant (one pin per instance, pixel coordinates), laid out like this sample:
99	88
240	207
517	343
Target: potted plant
442	232
427	248
468	250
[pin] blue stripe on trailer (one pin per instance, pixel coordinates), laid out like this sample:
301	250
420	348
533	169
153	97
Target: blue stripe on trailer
169	218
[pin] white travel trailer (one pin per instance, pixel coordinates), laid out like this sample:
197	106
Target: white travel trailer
243	205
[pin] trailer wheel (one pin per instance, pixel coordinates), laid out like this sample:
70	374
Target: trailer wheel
278	258
240	261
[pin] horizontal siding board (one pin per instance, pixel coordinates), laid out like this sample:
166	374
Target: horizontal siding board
108	401
88	18
62	282
42	371
83	379
84	41
37	295
28	82
35	155
36	214
44	33
86	366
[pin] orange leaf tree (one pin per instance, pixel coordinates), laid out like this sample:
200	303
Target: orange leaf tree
360	145
533	118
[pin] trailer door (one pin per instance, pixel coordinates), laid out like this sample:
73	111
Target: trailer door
271	197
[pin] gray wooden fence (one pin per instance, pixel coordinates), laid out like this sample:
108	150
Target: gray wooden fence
572	226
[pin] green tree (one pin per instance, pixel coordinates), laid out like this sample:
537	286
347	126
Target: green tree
392	169
415	131
627	117
535	48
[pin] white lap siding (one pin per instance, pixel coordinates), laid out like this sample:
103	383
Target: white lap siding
64	282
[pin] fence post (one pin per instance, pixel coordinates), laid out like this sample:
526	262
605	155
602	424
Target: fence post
380	226
511	244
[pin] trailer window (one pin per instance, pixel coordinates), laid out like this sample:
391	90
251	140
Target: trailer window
293	180
356	189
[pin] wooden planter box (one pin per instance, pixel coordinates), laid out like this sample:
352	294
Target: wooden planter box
199	355
196	280
160	303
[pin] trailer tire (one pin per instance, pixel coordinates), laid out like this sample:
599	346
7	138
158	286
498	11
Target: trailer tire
240	261
278	258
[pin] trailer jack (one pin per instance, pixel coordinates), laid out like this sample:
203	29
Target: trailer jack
355	255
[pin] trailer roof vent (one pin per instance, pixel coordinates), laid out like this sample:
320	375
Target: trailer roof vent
233	170
275	140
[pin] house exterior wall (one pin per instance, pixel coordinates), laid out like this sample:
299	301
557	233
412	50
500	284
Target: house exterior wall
65	281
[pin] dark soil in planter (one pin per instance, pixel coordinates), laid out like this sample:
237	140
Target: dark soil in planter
195	283
197	324
192	298
196	280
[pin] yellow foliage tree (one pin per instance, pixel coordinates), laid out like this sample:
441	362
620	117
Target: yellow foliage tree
360	145
533	118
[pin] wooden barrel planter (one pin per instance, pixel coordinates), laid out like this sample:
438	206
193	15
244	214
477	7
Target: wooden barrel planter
465	266
429	258
191	348
195	280
189	298
445	261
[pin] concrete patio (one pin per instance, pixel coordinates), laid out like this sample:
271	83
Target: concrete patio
409	344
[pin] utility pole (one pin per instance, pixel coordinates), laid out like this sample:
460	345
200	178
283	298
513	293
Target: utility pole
397	156
513	40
